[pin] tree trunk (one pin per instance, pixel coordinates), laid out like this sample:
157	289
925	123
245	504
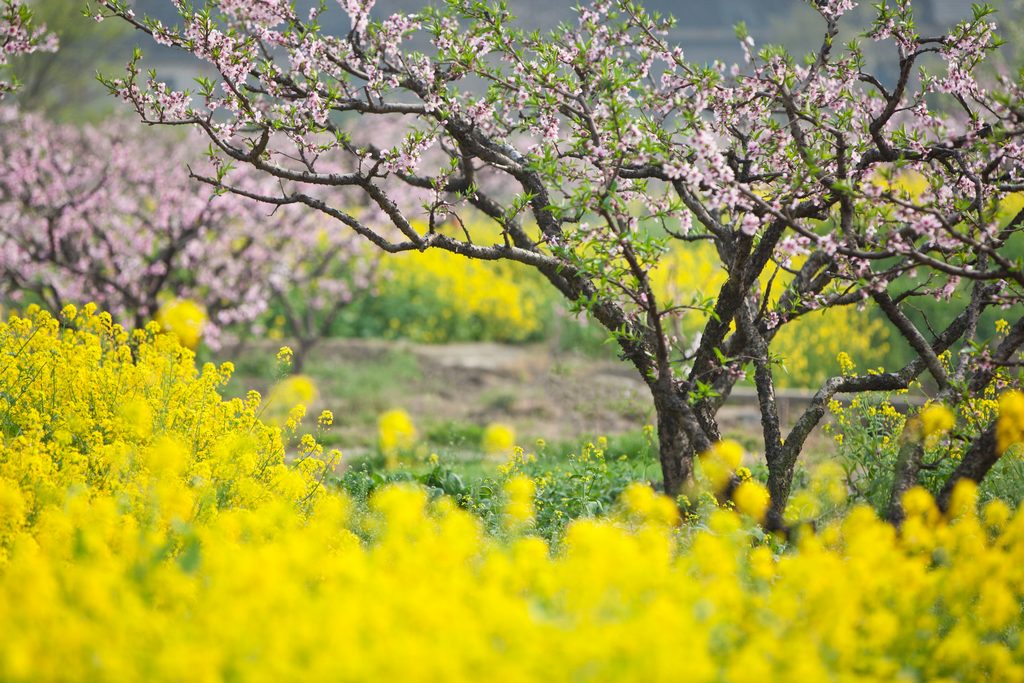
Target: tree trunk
780	482
908	465
301	352
975	464
674	448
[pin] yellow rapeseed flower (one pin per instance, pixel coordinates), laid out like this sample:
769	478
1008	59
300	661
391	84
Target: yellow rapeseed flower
498	439
519	492
395	433
297	390
642	503
720	462
846	366
498	300
936	420
138	415
164	557
752	499
184	319
1010	425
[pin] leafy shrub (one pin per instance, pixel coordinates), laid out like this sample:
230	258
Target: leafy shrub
806	349
437	297
870	431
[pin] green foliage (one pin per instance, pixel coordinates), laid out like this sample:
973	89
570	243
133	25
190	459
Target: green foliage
871	429
454	434
571	482
1005	481
437	297
584	484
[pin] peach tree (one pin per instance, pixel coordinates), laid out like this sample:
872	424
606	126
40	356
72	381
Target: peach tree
598	146
19	35
108	214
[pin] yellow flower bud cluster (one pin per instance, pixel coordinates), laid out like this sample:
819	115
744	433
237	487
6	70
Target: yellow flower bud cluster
285	356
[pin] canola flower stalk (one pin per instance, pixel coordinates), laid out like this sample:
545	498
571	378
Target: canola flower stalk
188	549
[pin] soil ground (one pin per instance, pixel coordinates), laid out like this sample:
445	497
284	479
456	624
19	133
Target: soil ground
539	393
542	393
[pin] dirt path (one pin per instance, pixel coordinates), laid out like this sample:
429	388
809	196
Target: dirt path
539	392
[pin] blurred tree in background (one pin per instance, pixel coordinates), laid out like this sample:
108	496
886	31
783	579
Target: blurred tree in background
62	84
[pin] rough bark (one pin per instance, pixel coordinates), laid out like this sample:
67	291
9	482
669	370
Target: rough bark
976	463
675	447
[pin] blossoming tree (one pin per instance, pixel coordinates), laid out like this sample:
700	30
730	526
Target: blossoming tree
108	215
19	35
596	146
